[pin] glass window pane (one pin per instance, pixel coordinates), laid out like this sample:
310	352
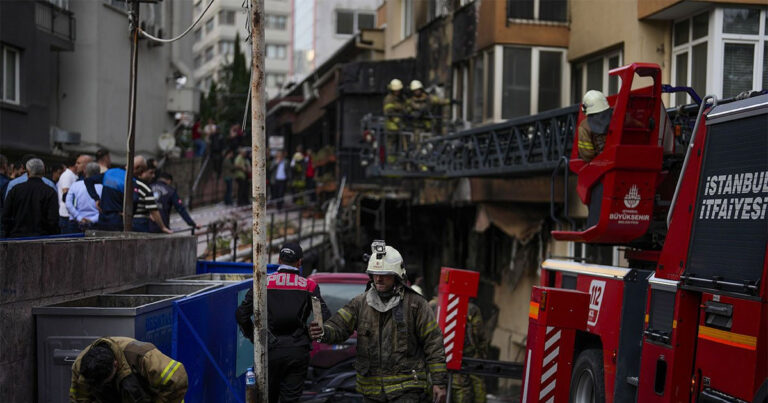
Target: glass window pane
737	68
2	72
700	25
553	10
576	84
345	22
365	21
595	75
741	21
477	91
520	9
765	59
516	83
489	88
681	32
10	75
699	69
613	81
681	77
550	78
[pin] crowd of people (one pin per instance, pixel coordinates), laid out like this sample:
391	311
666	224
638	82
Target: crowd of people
86	193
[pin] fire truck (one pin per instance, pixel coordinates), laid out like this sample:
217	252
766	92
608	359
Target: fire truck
686	319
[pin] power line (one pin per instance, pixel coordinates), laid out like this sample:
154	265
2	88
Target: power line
156	39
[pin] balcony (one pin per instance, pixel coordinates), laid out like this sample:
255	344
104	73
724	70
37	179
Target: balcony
58	22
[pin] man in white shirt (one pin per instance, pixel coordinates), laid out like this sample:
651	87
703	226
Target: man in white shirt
66	180
81	207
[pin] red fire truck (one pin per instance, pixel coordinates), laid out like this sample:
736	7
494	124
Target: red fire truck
687	319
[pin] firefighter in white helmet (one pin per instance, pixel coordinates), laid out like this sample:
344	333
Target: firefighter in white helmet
394	109
389	318
422	107
593	129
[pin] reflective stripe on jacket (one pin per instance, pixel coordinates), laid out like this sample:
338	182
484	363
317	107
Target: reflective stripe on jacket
394	107
396	349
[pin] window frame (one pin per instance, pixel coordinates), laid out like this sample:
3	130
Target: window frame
720	39
687	47
210	24
355	21
276	47
224	15
565	79
606	57
16	100
272	22
406	19
537	13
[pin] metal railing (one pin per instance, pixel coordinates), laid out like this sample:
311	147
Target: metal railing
55	20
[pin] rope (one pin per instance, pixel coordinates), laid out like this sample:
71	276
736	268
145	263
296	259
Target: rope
156	39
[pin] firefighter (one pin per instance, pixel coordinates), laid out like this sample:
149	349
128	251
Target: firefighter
420	107
594	128
394	108
469	388
288	307
398	340
122	369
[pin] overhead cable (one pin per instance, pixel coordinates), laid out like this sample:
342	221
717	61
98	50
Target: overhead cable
156	39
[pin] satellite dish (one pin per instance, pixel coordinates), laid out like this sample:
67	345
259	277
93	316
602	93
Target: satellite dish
166	142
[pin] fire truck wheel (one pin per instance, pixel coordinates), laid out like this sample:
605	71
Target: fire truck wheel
587	385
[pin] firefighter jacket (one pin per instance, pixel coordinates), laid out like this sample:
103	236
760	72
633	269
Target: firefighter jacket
144	374
394	108
590	144
398	343
288	307
420	107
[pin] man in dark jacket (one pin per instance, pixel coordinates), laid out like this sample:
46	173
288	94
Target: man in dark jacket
167	198
31	208
289	302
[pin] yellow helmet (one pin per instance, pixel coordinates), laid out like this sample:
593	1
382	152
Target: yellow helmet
385	260
416	85
594	102
395	85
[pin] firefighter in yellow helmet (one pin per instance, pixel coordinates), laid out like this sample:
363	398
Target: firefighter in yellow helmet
594	128
398	340
422	107
122	369
394	109
469	388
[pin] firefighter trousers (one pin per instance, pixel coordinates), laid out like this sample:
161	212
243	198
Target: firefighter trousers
287	370
413	397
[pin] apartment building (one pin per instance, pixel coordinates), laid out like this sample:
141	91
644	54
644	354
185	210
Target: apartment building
215	35
323	26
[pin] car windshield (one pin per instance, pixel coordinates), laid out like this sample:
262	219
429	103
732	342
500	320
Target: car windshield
337	295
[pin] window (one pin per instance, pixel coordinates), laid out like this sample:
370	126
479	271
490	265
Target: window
477	90
407	18
276	51
226	17
461	91
489	61
532	80
198	34
278	22
592	74
545	10
209	25
9	75
198	61
226	47
689	56
436	8
349	22
275	80
208	54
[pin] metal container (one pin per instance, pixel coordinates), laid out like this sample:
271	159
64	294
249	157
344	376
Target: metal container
167	288
65	329
221	277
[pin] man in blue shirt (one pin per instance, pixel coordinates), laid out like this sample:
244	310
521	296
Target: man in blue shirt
81	207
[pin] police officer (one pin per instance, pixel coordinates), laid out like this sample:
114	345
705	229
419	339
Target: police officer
167	197
593	129
469	388
394	109
288	307
121	369
398	340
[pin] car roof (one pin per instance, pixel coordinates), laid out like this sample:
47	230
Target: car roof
340	278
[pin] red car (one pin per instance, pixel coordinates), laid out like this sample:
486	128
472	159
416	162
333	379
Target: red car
337	289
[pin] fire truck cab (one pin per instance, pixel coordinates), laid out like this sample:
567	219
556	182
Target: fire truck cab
686	321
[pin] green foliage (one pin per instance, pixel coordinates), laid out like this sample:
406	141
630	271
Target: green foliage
226	98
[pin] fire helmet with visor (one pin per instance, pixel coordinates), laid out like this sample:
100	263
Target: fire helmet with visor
385	260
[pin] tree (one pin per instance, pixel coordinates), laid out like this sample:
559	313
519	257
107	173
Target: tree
236	80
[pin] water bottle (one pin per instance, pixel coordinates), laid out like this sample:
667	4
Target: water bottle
250	385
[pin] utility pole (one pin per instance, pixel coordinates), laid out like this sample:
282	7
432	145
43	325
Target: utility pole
133	21
259	200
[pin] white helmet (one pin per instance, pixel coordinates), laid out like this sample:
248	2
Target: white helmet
416	85
594	102
385	260
395	85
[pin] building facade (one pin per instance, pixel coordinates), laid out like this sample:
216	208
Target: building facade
224	21
323	26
